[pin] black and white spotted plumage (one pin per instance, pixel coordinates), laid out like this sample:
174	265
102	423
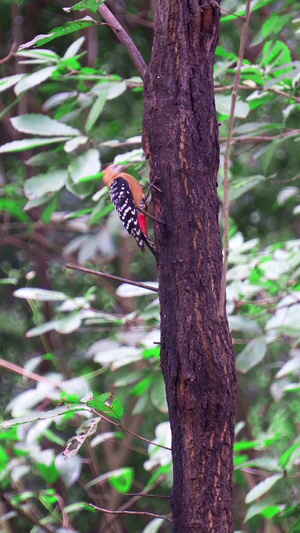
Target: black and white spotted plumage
121	197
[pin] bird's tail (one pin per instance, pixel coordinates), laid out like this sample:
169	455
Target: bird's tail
150	244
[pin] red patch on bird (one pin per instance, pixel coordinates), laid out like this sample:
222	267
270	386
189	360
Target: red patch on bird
143	224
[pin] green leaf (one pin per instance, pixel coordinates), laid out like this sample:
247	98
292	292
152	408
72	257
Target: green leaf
130	291
104	404
72	144
98	212
256	509
241	186
223	105
96	110
274	24
8	281
37	124
285	457
34	416
116	90
158	394
13	207
287	368
48	472
45	183
153	526
74	48
42	53
251	355
41	295
32	80
85	165
29	144
265	462
82	189
47	212
275	53
272	510
141	387
122	479
9	81
92	5
242	323
77	507
262	487
3	458
69	27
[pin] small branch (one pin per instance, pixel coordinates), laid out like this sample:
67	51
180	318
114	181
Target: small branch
125	39
153	515
227	159
12	52
260	138
150	216
137	497
27	374
222	88
110	276
230	13
128	430
24	515
143	495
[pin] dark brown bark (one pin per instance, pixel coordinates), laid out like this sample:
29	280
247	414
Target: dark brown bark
181	141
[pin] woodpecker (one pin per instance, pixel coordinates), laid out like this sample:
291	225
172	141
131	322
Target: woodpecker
127	195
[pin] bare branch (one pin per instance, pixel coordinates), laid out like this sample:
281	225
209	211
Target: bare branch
27	517
222	88
130	512
227	158
129	430
12	52
30	375
125	39
260	138
110	276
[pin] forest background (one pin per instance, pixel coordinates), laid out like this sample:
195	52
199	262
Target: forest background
74	103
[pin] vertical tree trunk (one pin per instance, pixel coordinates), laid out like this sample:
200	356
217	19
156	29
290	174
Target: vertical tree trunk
181	141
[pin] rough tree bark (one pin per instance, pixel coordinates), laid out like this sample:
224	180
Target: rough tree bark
181	142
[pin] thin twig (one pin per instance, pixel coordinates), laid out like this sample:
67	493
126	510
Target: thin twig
125	39
230	13
143	494
110	276
30	375
117	424
222	88
227	158
137	497
150	216
24	515
259	138
109	511
12	52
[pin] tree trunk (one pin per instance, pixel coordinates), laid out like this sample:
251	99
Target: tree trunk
181	142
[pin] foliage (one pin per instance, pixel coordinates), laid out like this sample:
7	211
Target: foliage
92	350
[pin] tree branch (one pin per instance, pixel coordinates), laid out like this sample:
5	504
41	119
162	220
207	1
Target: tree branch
27	517
12	52
227	159
222	88
28	374
130	512
125	39
117	424
259	138
110	276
